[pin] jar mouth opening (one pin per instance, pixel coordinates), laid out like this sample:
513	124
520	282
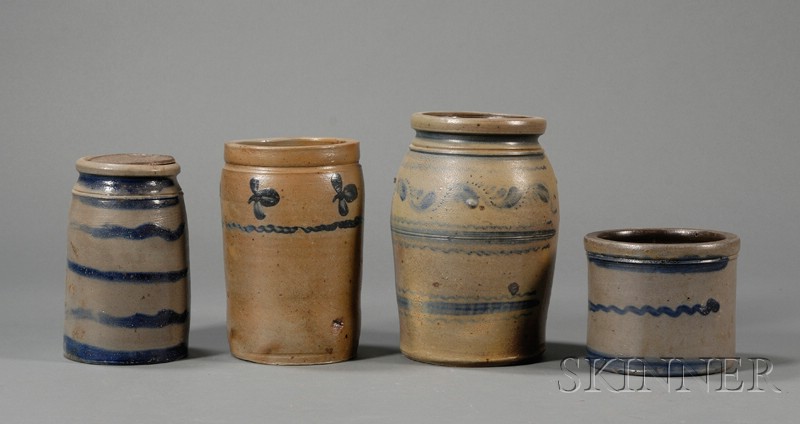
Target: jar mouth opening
468	122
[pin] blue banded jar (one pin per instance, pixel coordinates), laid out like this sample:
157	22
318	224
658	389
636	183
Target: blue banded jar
127	279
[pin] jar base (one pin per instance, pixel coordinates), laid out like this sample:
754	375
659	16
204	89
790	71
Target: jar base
78	352
659	367
465	363
292	359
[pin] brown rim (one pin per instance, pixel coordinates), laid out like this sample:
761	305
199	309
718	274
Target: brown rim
292	151
662	243
478	123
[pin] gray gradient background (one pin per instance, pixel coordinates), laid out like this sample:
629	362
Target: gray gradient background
681	113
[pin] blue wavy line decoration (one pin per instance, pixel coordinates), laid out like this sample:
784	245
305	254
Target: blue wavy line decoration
128	277
129	204
161	319
126	185
278	229
710	307
98	355
141	232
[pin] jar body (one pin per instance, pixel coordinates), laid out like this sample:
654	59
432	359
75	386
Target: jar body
292	226
474	229
662	301
127	282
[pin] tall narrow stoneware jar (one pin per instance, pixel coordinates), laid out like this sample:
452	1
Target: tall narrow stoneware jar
292	217
474	224
127	285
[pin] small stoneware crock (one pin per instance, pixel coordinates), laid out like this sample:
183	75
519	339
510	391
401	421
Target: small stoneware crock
474	225
662	301
292	220
127	282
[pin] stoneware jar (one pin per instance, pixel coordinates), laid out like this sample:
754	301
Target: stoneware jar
292	217
661	301
474	223
127	284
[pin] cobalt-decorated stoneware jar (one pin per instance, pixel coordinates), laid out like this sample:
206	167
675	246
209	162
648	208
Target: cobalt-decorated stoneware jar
292	222
662	301
474	226
127	283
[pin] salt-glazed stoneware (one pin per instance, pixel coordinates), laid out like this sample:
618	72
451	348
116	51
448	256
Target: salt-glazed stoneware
474	222
661	301
292	218
127	283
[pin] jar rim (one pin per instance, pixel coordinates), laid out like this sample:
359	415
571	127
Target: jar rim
466	122
129	164
292	151
662	243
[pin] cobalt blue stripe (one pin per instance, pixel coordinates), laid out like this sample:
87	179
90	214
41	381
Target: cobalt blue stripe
163	318
129	204
93	354
480	138
680	266
127	277
125	185
711	306
141	232
466	308
653	366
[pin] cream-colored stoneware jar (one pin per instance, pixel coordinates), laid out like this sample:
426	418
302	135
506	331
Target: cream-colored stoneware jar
292	220
474	227
127	283
662	301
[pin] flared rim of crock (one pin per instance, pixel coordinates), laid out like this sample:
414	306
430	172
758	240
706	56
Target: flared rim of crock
662	243
292	151
129	164
477	123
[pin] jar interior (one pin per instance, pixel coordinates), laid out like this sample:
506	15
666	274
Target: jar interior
661	236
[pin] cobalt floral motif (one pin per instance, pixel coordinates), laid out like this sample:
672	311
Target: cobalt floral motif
471	194
344	195
265	198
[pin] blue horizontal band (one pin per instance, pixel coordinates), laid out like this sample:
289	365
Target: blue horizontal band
125	185
141	232
127	277
660	266
653	366
78	351
162	319
468	308
483	237
129	204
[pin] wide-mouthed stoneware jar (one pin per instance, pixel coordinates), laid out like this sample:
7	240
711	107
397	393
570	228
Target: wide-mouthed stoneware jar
474	225
127	283
662	301
292	218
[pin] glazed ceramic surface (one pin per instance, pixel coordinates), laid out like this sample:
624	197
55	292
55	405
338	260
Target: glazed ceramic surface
474	226
656	294
292	217
127	283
